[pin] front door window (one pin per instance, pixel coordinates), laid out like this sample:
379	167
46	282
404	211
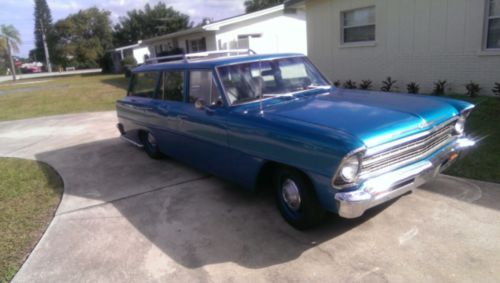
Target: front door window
203	87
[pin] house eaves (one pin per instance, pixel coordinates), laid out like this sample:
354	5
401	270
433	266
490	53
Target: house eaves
132	46
174	34
217	25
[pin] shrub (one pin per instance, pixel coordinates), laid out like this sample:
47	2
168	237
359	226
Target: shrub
127	64
365	84
337	83
106	63
413	87
129	61
473	89
439	87
496	89
387	84
349	84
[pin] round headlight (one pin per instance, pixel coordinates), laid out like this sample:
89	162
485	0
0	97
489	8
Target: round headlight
350	169
460	125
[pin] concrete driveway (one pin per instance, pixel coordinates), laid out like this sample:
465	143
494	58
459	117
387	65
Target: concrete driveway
125	217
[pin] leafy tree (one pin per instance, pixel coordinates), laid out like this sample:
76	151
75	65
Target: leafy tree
255	5
43	22
205	21
147	23
9	42
83	38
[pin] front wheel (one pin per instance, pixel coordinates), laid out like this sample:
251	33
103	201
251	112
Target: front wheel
151	145
297	200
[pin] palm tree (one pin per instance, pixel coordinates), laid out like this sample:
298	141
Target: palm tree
10	41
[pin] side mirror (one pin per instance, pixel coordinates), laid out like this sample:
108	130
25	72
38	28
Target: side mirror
199	104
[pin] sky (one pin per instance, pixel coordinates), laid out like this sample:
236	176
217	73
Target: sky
20	12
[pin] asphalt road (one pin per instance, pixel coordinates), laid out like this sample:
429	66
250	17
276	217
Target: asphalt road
125	217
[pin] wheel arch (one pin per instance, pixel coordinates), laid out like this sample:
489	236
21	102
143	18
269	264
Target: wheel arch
266	173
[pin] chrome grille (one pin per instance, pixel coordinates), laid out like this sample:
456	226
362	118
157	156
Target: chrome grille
410	151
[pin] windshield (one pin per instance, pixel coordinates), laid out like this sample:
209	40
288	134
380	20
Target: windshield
262	79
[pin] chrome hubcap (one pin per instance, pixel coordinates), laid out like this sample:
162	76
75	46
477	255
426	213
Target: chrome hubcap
291	194
151	140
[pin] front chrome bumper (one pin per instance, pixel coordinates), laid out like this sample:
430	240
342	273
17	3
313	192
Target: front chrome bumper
385	187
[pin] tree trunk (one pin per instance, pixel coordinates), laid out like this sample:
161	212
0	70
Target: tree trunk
12	65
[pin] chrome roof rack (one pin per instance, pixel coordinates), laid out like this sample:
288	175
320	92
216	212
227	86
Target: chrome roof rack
201	55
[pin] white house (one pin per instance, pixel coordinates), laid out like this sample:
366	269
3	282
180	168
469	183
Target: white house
139	52
409	40
276	29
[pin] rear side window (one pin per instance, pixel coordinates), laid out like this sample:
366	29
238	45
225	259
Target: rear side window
172	86
144	84
202	86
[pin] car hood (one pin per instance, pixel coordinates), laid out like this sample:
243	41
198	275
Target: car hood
373	117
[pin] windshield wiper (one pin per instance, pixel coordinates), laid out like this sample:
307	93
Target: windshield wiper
273	95
318	86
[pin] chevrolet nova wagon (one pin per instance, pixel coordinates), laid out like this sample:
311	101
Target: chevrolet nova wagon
275	120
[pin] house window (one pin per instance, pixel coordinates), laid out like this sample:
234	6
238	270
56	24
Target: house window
493	25
358	25
253	35
198	45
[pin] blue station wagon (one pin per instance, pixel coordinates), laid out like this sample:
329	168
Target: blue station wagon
275	120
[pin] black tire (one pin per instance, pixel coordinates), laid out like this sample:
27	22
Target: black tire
150	145
307	212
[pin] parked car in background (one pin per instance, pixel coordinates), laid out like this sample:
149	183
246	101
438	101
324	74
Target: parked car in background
34	67
274	119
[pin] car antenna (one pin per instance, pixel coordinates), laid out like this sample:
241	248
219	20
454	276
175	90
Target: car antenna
260	85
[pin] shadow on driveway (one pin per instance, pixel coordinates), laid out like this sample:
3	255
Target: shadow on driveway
194	218
479	193
120	82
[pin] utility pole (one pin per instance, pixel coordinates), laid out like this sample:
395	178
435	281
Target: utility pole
45	48
9	49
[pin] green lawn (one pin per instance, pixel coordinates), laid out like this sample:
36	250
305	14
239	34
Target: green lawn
29	194
483	161
60	95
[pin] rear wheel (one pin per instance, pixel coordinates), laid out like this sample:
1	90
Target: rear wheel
151	145
296	199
